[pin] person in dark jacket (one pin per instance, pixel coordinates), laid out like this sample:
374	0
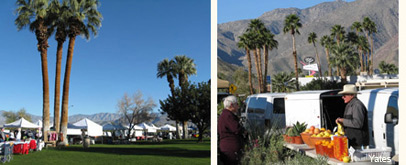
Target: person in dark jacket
355	121
230	132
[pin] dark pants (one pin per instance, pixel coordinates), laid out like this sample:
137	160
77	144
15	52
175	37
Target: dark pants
229	158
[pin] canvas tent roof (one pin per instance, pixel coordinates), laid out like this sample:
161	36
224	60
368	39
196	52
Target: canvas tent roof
39	123
136	127
168	127
222	83
93	129
21	123
147	127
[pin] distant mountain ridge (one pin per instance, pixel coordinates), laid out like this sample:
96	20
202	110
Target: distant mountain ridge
319	19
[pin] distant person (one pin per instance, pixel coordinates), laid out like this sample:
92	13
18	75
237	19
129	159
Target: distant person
12	135
3	137
355	121
18	134
230	132
38	133
170	135
30	134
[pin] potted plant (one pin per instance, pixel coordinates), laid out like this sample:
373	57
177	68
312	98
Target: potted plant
297	129
290	134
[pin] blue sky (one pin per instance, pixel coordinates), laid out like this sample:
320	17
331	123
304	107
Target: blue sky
134	37
233	10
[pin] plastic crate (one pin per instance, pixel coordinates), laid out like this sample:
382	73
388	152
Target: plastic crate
366	154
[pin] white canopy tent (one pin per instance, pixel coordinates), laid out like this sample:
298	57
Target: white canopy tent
93	129
147	127
21	123
136	127
39	123
168	127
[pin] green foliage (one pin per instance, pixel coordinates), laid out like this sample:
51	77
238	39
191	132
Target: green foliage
283	82
321	84
190	103
12	116
240	78
290	132
299	158
268	148
388	68
299	128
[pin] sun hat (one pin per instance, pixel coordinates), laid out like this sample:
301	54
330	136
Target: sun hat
349	89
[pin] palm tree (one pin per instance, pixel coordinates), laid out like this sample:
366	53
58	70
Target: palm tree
84	18
344	57
312	39
352	39
387	68
283	82
58	14
245	42
166	68
357	26
34	13
257	30
185	67
292	25
370	28
327	42
362	47
337	32
270	44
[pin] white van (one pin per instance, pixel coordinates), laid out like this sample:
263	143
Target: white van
265	109
383	113
321	109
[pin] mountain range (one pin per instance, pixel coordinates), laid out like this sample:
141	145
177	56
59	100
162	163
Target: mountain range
319	19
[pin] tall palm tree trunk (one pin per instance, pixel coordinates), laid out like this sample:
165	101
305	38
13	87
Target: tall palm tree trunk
45	92
249	70
318	61
328	61
266	68
65	97
337	71
258	69
295	60
171	84
360	59
367	62
371	67
57	98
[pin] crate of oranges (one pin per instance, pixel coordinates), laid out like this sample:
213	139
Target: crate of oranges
325	148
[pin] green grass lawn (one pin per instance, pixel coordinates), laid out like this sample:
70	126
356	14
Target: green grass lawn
167	152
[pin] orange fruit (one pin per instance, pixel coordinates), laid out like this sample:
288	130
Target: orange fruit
316	131
312	128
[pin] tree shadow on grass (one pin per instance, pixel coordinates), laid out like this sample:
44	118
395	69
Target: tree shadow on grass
164	151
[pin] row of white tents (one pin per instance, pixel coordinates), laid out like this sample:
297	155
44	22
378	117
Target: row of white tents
93	129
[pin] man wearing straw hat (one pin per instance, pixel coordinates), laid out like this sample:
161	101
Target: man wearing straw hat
355	121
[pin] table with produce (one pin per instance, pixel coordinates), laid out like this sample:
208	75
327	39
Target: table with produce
320	141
